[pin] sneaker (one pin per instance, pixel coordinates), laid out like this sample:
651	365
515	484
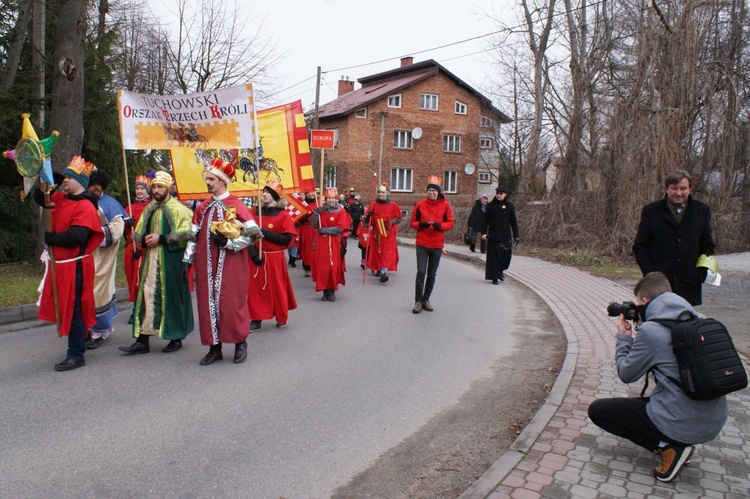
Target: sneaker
281	325
673	458
417	307
384	277
426	306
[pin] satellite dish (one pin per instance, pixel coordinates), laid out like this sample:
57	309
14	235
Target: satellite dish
416	133
469	169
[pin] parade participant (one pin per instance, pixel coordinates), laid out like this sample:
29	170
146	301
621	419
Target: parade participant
131	257
223	228
270	294
382	219
76	233
500	230
351	197
356	210
163	306
332	224
307	233
112	217
431	217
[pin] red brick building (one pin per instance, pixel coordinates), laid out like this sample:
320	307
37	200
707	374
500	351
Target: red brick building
406	124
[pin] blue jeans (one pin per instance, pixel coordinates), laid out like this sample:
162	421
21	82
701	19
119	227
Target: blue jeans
428	260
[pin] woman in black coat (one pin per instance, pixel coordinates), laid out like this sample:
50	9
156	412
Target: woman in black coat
500	229
476	217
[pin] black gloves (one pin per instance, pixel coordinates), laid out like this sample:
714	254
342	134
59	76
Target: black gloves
137	254
423	225
185	272
219	238
49	238
436	226
257	260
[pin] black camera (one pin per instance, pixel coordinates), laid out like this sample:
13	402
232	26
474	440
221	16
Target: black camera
626	308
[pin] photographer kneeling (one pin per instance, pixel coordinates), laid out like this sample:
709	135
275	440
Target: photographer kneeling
668	422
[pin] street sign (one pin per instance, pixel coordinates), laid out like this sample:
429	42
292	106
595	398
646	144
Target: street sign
321	139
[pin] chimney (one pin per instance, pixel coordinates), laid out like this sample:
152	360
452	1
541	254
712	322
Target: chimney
406	61
345	86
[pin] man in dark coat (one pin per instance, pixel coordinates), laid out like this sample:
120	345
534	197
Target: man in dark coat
500	229
672	234
476	218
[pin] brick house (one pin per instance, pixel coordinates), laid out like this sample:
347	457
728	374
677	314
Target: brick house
406	124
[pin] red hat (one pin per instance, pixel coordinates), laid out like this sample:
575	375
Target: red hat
221	169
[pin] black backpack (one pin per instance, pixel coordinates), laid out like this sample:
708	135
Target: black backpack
708	362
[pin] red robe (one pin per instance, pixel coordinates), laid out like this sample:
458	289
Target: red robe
383	249
68	213
133	267
270	293
306	237
221	277
328	263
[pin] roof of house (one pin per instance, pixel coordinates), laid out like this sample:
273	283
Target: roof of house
380	85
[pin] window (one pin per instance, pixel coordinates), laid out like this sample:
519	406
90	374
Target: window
452	143
401	179
335	136
485	143
361	113
484	178
402	139
450	181
428	101
330	176
460	108
485	121
394	100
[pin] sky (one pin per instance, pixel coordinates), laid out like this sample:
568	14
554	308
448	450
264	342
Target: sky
350	37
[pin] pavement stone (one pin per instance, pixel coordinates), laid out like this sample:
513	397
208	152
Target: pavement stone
566	453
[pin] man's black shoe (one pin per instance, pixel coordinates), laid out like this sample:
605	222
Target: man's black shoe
135	348
255	325
93	343
240	352
211	357
495	282
172	346
502	277
70	364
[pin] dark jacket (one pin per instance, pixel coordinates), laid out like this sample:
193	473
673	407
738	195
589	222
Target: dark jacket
356	209
663	245
499	220
476	216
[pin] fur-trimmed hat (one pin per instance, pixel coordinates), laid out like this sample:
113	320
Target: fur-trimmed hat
221	169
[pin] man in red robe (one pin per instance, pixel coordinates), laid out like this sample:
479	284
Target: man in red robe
382	219
332	224
223	228
76	233
131	257
270	294
307	233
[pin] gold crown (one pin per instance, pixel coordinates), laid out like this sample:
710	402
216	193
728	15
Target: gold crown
142	179
81	166
434	179
331	192
275	185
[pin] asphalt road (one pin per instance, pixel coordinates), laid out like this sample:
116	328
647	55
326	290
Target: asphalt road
314	405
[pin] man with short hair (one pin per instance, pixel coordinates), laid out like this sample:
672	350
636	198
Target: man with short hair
431	218
673	233
668	422
163	306
76	233
112	217
223	229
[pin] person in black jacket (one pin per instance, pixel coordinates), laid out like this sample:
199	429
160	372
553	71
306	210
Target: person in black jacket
475	223
672	234
500	229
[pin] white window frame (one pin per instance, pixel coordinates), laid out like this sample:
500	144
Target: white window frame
394	101
486	122
451	143
330	176
361	113
450	181
460	107
402	179
485	142
429	102
484	177
402	139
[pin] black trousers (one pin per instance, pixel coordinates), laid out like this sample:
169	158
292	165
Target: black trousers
428	260
627	418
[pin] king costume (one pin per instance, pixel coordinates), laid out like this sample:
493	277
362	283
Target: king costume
132	265
383	217
332	224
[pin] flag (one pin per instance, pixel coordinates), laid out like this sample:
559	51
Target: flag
282	137
296	206
217	119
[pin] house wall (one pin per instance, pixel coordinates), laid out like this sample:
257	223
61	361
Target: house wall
358	155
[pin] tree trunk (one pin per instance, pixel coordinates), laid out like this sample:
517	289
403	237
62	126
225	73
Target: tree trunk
66	114
14	52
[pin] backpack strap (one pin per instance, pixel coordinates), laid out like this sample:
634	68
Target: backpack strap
670	323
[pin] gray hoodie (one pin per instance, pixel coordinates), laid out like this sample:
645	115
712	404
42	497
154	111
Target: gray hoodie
670	409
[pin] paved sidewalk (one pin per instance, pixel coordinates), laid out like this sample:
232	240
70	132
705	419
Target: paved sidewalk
561	454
